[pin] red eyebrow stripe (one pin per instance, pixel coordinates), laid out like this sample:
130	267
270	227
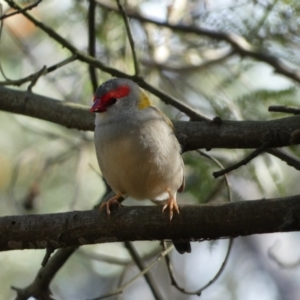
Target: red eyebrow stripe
121	91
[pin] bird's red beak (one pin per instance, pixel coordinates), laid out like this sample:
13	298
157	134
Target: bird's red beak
98	106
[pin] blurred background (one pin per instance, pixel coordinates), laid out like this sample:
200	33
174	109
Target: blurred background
46	168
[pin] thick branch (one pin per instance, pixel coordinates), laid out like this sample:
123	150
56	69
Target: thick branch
149	223
67	114
192	135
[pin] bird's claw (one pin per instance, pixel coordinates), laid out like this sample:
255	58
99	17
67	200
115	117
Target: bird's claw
109	203
172	204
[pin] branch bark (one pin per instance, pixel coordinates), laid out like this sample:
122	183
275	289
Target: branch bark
191	135
149	223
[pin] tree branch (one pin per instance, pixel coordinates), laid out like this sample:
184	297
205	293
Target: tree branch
142	266
149	223
290	159
285	109
130	38
39	288
41	72
191	135
92	42
120	289
67	114
192	113
238	43
243	162
199	291
29	7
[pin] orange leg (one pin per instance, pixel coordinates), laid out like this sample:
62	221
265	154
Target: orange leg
109	202
172	204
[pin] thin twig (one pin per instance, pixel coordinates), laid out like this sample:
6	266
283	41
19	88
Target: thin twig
121	278
181	106
192	113
200	290
238	43
109	259
39	288
229	194
29	7
42	71
92	42
244	161
288	158
36	78
140	264
24	48
47	256
285	109
220	270
132	280
131	41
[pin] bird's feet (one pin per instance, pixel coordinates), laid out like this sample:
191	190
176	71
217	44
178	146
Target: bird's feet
172	204
110	202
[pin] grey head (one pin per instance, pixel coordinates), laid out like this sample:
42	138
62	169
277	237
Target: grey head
116	95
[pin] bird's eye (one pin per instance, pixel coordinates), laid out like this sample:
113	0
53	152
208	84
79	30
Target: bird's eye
111	101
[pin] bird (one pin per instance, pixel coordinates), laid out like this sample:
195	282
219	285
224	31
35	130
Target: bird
136	148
